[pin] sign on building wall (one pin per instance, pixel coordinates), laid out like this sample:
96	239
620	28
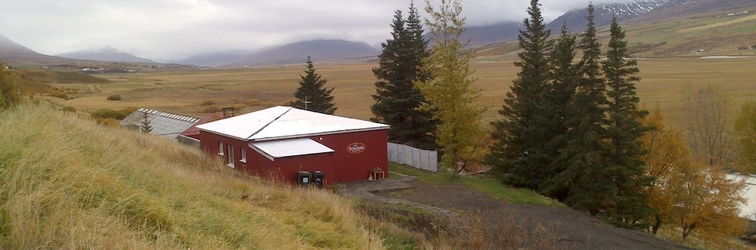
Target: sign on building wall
356	147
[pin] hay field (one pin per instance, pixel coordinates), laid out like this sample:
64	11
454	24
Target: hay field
183	91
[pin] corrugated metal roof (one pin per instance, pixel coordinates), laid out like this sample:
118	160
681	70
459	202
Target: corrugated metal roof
286	122
163	123
289	147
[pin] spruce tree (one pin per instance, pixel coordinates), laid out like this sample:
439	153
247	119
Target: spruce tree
145	126
585	180
561	89
312	94
625	150
518	155
397	100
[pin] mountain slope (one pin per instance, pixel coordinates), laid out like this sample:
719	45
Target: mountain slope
318	50
68	183
12	52
576	22
105	55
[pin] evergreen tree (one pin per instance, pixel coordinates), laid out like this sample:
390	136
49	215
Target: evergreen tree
561	89
585	179
397	100
625	150
145	126
312	94
518	154
448	92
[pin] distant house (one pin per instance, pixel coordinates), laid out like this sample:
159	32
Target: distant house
748	209
279	142
163	123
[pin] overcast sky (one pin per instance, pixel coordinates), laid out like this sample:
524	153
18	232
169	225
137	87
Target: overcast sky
165	30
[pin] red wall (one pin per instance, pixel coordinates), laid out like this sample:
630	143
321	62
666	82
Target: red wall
339	166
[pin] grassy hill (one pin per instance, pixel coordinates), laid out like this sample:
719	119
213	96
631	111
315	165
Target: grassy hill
66	183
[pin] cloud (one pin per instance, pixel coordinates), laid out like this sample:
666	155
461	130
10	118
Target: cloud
166	30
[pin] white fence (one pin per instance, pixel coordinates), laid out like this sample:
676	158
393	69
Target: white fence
418	158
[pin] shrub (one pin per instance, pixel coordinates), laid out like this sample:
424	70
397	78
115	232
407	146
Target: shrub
238	106
288	103
108	122
114	98
102	114
269	104
253	102
207	103
69	109
211	109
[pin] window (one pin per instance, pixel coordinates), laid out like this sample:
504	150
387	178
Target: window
230	155
243	155
220	151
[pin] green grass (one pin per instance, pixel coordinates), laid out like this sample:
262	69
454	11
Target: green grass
487	185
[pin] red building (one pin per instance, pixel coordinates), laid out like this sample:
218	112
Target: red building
279	142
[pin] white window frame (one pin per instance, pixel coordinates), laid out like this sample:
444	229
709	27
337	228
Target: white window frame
220	151
243	155
230	155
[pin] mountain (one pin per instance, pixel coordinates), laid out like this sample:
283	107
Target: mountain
12	52
483	35
216	59
576	21
293	53
318	50
107	54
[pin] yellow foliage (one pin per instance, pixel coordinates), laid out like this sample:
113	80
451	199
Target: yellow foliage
686	194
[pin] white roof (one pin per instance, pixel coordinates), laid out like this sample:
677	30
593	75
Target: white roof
289	147
286	122
747	210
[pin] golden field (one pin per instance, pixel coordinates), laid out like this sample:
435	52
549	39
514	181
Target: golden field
184	91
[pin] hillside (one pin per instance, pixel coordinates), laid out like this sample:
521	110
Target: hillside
12	52
105	55
66	183
321	50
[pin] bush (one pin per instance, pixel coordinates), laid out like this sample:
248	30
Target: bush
207	103
114	98
102	114
269	104
238	106
69	109
253	102
211	109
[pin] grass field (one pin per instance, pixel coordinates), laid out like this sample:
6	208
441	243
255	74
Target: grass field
183	91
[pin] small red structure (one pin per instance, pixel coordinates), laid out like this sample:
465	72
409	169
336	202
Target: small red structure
279	142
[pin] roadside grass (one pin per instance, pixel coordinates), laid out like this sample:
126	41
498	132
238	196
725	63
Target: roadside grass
67	183
486	184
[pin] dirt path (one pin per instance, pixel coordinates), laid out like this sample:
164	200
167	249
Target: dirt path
569	228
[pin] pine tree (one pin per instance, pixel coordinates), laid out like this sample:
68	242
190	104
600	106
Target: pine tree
587	183
397	100
145	126
448	92
312	94
625	150
518	154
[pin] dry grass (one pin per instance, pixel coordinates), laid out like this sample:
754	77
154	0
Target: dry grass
66	183
184	91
